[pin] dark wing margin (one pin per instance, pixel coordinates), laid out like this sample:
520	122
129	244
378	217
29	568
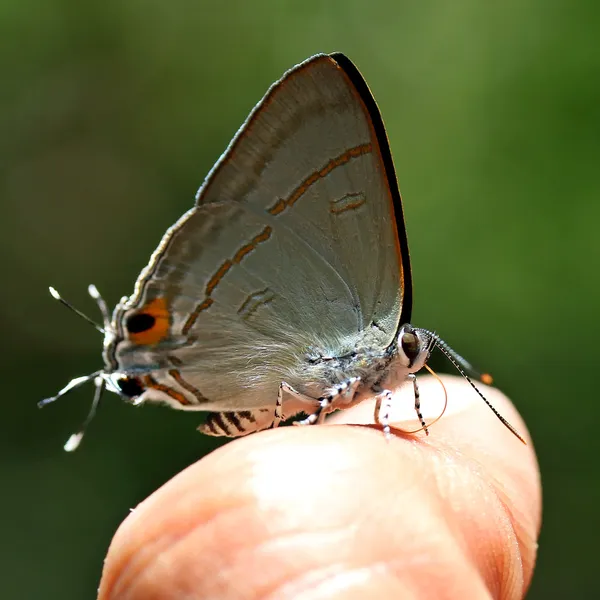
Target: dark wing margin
384	146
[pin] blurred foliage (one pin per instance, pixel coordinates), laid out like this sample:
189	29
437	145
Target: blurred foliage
113	112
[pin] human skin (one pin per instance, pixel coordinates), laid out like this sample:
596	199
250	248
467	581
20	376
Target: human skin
339	512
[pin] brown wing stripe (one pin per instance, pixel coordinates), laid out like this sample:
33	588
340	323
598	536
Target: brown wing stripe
347	202
150	382
206	303
334	163
176	375
245	304
214	281
216	278
254	301
175	361
263	236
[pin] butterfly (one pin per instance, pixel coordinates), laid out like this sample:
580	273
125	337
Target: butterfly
286	290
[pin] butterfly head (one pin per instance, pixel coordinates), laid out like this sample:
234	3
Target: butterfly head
413	347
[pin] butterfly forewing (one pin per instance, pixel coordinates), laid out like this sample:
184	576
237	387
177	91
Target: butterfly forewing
315	155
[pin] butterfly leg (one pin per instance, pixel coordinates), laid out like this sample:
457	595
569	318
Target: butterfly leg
383	405
338	397
283	388
292	398
413	378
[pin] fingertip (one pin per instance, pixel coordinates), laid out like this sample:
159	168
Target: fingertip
292	511
470	431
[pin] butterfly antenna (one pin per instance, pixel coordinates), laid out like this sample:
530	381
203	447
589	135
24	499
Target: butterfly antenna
58	297
462	366
466	366
95	294
74	441
72	385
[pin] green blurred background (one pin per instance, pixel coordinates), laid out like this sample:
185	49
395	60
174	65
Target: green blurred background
113	112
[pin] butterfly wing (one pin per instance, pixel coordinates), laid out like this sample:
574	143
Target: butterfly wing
291	251
315	154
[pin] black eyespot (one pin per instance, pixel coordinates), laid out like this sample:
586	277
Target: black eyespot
410	345
130	386
140	322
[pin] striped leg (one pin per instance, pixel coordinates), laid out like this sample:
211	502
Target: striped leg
338	397
413	377
383	405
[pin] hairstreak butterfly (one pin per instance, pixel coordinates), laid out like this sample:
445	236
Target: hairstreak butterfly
286	289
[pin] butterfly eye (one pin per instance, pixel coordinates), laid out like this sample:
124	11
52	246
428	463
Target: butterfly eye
410	345
140	322
130	386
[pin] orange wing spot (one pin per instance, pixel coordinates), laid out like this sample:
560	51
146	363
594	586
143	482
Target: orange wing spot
334	163
204	305
158	309
216	278
176	375
150	382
